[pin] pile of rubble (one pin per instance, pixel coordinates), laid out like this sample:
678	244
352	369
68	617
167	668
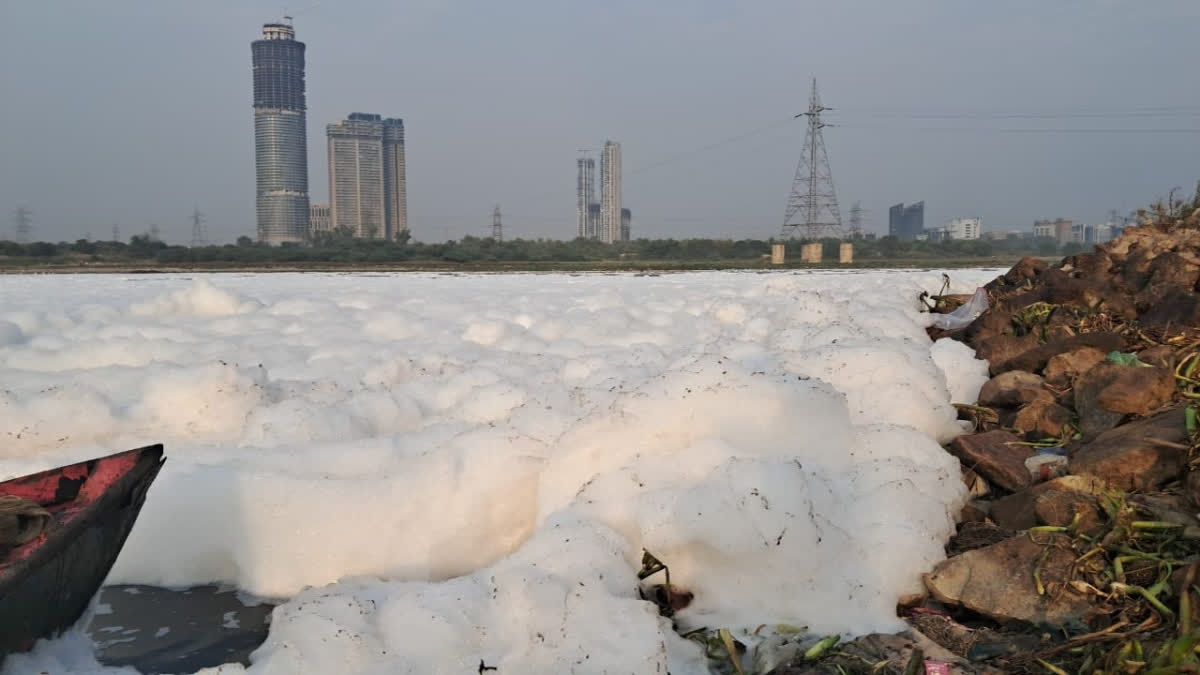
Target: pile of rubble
1079	550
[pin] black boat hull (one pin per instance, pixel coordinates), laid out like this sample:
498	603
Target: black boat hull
46	591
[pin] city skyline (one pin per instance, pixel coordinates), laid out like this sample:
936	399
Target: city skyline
1005	134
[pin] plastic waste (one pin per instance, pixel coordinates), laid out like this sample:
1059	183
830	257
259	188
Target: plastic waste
936	667
964	315
1046	466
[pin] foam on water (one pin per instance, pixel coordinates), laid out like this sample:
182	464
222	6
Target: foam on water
442	470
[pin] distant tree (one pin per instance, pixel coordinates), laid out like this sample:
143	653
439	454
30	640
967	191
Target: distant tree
41	249
1045	246
1072	248
244	241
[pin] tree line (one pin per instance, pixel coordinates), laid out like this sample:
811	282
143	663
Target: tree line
142	248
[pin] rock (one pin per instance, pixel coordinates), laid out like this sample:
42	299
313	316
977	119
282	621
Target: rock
974	511
1041	419
1026	268
1169	272
1191	487
1162	356
995	456
1177	308
1171	509
1093	264
997	581
1018	511
1109	391
1062	369
1137	390
999	349
1136	456
1059	508
1035	359
1011	389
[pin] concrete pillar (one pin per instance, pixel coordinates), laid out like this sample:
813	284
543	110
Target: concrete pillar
811	253
846	253
777	253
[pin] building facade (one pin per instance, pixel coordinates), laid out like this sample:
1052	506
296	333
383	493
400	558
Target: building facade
1060	229
610	193
280	136
626	224
318	219
395	178
585	196
907	222
367	185
965	228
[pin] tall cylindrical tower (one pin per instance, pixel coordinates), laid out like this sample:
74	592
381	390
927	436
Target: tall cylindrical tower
280	136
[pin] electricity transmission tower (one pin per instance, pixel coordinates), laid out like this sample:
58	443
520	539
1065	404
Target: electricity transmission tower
22	224
199	231
813	200
856	214
497	226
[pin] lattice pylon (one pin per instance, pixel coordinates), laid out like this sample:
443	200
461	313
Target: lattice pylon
812	208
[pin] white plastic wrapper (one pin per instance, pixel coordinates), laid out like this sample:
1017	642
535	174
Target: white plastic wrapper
963	316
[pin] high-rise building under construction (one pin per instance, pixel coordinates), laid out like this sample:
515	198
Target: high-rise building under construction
280	136
585	195
610	193
367	190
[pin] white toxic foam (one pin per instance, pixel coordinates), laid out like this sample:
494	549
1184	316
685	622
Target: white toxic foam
438	471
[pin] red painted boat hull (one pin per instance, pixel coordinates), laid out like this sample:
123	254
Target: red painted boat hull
46	583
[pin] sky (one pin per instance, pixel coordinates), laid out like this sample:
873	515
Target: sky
135	112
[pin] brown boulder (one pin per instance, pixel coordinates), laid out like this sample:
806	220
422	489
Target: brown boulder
1136	456
1093	264
1169	272
1018	511
1137	390
1060	507
1035	359
999	349
1177	308
998	581
1158	355
1026	268
996	456
1062	369
1109	391
1042	419
1011	389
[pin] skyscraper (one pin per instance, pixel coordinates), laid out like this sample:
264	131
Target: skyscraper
395	184
626	223
610	193
906	222
367	191
585	195
280	136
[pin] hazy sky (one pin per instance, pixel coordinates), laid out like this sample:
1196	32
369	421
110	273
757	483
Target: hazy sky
132	111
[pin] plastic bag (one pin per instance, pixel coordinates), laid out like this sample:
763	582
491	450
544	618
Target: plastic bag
1045	466
964	315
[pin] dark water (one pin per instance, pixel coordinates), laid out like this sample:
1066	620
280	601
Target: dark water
159	630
